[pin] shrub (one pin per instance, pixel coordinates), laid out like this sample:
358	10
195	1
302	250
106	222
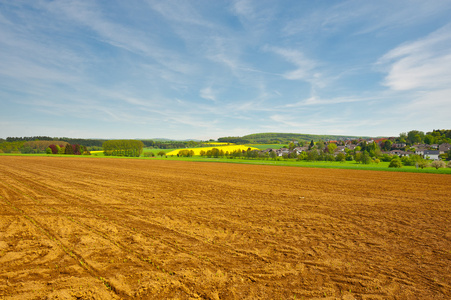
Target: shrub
341	157
185	153
423	164
48	150
149	154
386	157
395	163
411	160
438	164
448	165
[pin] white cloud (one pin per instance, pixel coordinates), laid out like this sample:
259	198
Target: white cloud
425	63
208	93
254	15
430	109
179	12
305	68
359	18
315	100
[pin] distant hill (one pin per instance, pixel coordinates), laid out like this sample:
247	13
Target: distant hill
169	140
275	137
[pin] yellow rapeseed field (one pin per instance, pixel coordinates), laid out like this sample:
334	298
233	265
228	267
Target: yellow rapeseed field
197	151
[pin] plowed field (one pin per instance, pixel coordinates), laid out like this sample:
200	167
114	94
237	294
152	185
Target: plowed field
90	228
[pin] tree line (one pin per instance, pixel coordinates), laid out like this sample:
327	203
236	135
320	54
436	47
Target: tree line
437	136
85	142
129	148
96	144
42	146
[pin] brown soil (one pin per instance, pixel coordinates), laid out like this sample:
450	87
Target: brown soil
89	228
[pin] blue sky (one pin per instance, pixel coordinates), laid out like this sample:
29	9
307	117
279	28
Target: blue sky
207	69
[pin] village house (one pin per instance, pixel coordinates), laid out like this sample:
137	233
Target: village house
426	151
300	149
420	150
400	153
432	154
380	141
423	146
445	147
282	151
399	145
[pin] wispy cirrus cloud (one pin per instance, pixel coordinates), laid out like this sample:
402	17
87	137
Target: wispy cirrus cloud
242	65
305	68
315	100
208	93
356	18
422	64
180	12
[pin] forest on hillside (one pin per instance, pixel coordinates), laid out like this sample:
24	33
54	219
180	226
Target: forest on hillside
283	138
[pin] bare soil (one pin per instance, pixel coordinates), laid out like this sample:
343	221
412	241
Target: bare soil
90	228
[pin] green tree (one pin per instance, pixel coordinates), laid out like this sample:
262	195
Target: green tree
395	163
132	148
387	145
366	159
273	154
363	146
415	137
61	149
312	155
402	137
358	157
331	148
320	145
423	164
429	139
68	149
303	156
341	157
215	152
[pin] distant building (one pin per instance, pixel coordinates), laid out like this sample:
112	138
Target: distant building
431	154
445	147
399	145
